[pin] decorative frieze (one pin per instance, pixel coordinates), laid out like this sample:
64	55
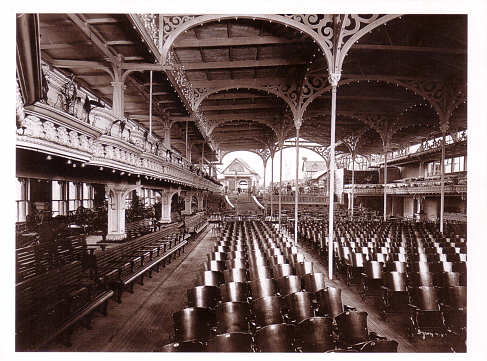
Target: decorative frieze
104	150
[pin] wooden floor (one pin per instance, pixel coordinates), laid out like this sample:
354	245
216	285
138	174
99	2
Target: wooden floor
143	322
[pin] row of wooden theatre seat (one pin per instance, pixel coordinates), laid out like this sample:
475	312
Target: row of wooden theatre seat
424	275
139	228
38	258
252	300
120	266
51	304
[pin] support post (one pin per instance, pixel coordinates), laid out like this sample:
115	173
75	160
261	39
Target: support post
116	209
296	192
150	104
272	182
166	200
353	181
202	155
118	99
187	203
385	183
186	144
280	184
442	189
167	135
333	78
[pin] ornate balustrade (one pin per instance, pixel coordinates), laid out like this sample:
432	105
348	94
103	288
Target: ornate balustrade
302	198
99	139
457	217
427	146
404	188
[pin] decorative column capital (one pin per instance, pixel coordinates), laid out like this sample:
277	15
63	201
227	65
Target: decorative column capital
297	123
334	78
119	84
444	126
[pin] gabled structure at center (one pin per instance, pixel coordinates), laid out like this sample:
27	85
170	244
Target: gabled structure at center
238	174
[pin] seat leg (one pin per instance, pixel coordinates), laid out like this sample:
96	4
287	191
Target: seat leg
87	321
119	293
141	279
104	309
66	337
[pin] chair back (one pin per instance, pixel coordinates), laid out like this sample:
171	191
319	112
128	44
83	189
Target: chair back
232	317
275	338
315	334
289	284
300	306
192	324
352	327
396	281
426	298
263	287
267	311
203	296
303	268
330	302
234	292
231	342
373	269
313	282
212	278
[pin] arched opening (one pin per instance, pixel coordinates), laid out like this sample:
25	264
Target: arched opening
177	205
194	204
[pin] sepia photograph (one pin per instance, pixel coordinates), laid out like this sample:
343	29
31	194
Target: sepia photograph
201	182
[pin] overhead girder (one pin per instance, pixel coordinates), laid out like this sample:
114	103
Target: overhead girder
320	28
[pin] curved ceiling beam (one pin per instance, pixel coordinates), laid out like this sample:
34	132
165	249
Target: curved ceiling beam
217	123
357	35
313	30
326	89
204	93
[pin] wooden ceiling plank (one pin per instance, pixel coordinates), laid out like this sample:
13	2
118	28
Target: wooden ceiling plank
235	41
238	83
421	49
107	20
64	45
269	106
64	63
120	42
243	64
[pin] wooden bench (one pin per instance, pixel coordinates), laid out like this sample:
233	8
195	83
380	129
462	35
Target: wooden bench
36	259
138	228
120	266
51	304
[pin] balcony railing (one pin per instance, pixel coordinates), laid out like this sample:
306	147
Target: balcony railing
100	139
428	145
404	188
302	198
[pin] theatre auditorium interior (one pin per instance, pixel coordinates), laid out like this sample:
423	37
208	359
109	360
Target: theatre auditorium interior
133	233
